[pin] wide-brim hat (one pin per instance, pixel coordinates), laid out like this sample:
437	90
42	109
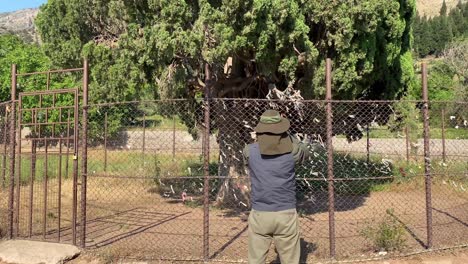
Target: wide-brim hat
272	122
274	144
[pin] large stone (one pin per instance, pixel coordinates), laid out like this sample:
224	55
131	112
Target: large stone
33	252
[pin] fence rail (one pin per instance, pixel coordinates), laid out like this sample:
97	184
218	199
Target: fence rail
167	179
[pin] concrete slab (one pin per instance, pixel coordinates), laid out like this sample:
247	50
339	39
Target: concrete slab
33	252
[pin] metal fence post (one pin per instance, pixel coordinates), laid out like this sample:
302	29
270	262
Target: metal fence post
5	139
84	161
12	152
206	166
105	141
443	135
407	144
367	143
427	156
331	192
173	137
143	147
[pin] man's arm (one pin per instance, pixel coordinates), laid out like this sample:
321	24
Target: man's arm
300	151
245	153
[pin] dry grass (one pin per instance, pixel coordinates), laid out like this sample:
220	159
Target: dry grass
432	7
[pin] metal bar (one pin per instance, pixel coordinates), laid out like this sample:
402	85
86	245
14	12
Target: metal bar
368	144
84	161
18	185
59	198
181	177
50	138
67	156
46	187
50	71
443	135
44	123
105	141
331	187
75	170
43	108
407	144
173	138
206	161
48	81
57	91
31	185
5	138
144	139
387	102
427	156
37	123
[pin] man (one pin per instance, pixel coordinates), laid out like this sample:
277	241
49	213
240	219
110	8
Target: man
271	160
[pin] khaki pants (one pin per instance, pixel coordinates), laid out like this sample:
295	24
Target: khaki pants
282	227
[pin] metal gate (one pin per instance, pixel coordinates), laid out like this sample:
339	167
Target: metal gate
44	202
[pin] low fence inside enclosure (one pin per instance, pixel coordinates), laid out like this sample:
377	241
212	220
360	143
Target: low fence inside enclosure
146	178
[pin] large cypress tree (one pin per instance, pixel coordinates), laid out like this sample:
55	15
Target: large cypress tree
163	49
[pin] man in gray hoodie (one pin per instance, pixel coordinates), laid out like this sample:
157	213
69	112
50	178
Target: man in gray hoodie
271	160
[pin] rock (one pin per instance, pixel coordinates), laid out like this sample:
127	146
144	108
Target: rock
33	252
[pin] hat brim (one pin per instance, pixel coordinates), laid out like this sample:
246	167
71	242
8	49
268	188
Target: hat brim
273	144
277	128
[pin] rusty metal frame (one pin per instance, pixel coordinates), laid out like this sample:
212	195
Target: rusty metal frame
331	182
18	122
427	155
38	137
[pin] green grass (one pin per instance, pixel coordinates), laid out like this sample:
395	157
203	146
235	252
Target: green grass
159	122
166	170
434	132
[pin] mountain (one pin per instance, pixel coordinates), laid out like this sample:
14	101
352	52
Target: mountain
431	8
20	23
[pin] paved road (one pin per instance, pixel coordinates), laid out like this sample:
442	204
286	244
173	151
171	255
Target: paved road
182	141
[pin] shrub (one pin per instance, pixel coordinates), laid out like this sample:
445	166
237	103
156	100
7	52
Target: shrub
388	234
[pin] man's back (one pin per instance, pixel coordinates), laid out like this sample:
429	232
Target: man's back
273	180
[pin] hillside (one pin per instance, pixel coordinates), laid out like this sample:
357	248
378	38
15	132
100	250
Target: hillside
20	23
431	8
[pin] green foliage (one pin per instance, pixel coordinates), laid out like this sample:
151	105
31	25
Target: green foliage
388	234
344	166
158	48
441	83
431	35
28	57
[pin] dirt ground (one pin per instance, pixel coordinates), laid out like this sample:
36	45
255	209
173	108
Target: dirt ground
458	256
128	219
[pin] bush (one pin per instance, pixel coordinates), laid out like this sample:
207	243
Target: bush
387	235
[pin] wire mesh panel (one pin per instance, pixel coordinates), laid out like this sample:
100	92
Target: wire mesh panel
144	180
449	164
233	122
46	166
4	167
379	183
161	186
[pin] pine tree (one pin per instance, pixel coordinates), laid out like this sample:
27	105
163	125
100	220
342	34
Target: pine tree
443	9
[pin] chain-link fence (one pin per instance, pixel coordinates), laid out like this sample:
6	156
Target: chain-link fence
148	162
160	185
5	123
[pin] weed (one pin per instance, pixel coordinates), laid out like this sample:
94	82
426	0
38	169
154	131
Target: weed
388	234
51	215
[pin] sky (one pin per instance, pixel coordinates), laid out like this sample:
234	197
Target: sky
13	5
